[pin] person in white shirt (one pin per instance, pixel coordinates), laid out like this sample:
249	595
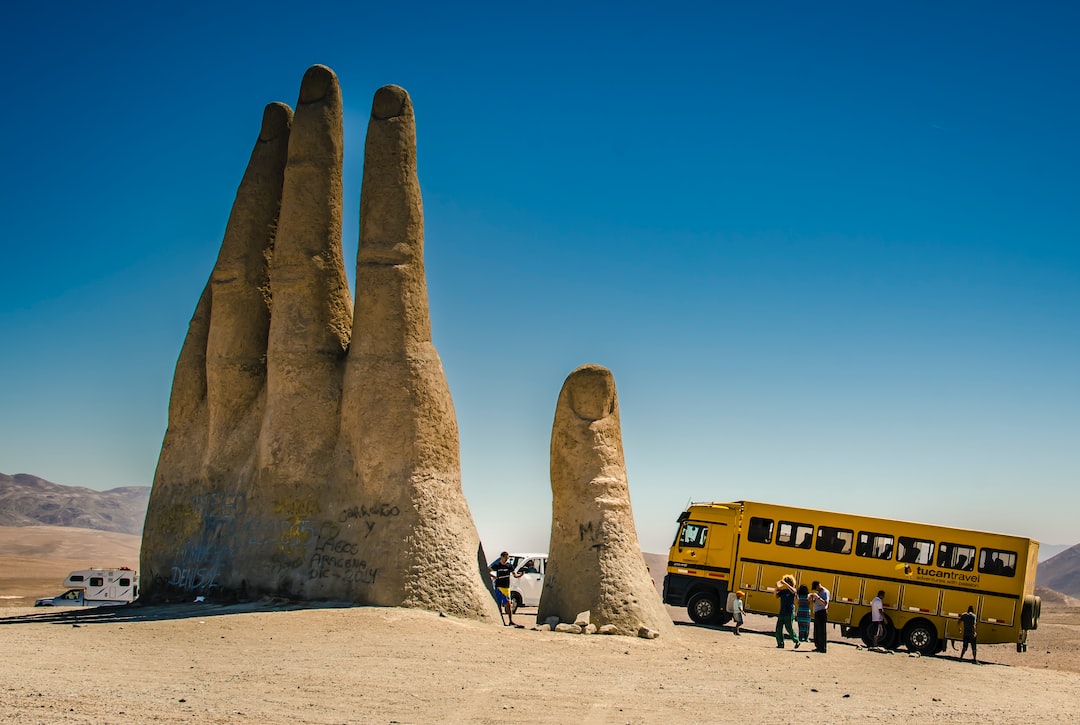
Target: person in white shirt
877	618
819	598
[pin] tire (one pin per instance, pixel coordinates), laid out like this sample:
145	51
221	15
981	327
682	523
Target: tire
866	632
515	602
1029	615
920	636
704	608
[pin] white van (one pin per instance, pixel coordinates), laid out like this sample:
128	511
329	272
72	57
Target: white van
525	590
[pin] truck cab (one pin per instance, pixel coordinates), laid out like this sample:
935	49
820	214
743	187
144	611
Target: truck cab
701	561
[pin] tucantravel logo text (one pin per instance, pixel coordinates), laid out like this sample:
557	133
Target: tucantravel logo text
952	576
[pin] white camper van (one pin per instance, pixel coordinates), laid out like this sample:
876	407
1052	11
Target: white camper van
95	588
525	591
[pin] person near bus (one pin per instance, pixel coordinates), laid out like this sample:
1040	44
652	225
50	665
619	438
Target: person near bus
802	613
967	621
877	618
737	610
819	599
785	592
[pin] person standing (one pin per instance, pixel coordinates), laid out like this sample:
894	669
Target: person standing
877	619
819	599
802	613
737	611
503	570
785	592
967	621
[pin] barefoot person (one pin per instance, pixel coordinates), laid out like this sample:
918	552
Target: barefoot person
503	570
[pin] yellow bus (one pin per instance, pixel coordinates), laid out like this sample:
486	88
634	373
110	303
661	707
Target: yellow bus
930	574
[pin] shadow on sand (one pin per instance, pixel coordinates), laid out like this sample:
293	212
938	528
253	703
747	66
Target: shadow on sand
137	612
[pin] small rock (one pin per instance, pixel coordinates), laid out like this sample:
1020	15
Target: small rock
582	619
590	629
646	633
608	629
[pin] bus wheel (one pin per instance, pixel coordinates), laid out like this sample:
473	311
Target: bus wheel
704	608
866	632
920	636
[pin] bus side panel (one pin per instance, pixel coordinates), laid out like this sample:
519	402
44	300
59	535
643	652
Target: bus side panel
848	592
761	602
749	576
920	599
954	603
892	593
998	610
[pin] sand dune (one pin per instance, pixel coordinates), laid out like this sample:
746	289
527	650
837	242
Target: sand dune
35	559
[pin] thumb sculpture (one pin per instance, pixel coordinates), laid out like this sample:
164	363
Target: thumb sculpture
594	560
312	448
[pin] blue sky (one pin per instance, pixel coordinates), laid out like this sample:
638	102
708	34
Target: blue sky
830	252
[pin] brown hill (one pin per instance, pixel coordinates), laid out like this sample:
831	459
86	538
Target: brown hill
35	559
1062	572
27	500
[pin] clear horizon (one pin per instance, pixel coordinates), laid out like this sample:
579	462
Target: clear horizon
832	257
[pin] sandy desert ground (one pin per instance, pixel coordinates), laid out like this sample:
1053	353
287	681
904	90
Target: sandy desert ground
275	662
270	662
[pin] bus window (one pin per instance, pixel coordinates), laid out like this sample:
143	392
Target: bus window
693	535
915	551
798	535
760	530
875	546
996	561
956	556
837	541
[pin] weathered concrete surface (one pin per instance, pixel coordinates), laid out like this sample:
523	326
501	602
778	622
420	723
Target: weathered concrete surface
312	453
594	560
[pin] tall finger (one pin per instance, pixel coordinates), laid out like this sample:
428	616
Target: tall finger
240	284
398	416
311	308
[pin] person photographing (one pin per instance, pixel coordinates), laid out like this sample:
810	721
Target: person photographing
503	570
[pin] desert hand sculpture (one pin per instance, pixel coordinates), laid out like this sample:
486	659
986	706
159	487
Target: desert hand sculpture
312	449
595	562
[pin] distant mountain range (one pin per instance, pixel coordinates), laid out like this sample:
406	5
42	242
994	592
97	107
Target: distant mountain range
27	500
1062	572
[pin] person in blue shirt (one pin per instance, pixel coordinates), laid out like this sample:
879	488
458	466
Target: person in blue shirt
785	592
